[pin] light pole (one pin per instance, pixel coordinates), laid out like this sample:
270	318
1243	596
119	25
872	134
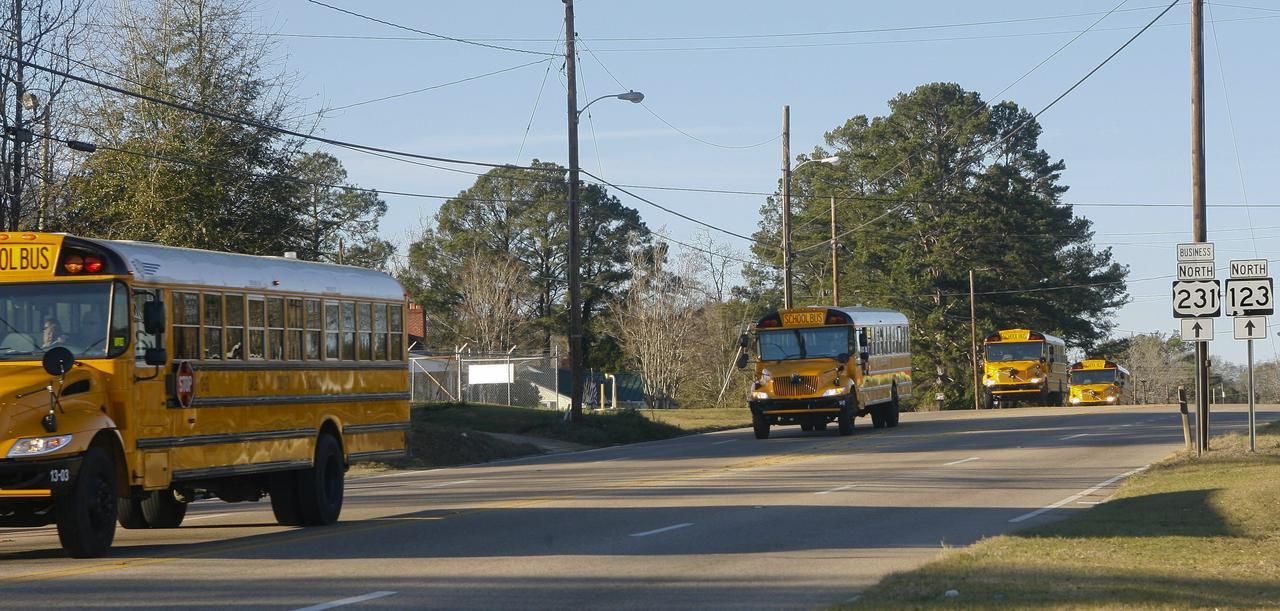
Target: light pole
575	314
787	172
973	330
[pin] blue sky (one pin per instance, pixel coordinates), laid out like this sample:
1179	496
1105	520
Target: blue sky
1124	134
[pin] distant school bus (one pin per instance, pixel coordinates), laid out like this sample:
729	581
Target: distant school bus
134	377
820	365
1098	382
1021	365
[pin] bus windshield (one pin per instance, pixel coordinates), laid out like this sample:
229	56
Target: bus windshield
1020	351
38	316
1093	376
813	343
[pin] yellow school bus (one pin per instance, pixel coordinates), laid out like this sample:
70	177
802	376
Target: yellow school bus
134	377
819	365
1024	365
1098	382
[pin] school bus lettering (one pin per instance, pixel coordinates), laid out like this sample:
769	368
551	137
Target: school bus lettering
26	258
196	373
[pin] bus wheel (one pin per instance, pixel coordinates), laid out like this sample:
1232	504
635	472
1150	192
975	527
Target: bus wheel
320	487
877	416
283	490
129	513
806	427
86	516
1045	396
161	509
819	426
892	410
989	398
845	421
761	426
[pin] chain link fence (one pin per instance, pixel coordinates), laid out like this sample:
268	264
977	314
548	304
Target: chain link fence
517	380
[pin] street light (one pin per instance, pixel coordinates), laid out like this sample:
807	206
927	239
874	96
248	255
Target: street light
787	171
575	315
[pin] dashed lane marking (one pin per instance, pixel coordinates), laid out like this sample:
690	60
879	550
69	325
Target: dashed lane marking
961	461
349	601
663	529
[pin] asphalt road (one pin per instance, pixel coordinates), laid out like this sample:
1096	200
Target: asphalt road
802	520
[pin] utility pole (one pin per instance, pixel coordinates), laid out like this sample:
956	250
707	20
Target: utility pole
973	342
15	205
786	207
835	270
1199	229
575	315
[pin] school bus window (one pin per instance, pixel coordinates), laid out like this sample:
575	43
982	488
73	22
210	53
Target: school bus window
257	328
332	331
364	323
212	326
144	340
294	320
186	325
396	323
275	328
118	332
379	331
235	326
315	326
349	330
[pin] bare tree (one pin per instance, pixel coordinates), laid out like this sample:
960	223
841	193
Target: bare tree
1158	364
495	291
36	103
655	321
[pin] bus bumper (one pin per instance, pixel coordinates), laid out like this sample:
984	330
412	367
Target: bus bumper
790	411
36	479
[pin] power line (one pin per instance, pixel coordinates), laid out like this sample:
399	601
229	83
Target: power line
255	123
668	123
424	32
1021	125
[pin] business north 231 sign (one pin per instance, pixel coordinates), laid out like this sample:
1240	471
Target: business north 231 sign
1196	299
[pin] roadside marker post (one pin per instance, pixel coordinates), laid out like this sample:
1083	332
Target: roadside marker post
1250	300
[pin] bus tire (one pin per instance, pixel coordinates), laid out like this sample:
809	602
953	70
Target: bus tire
129	513
761	426
820	426
892	410
283	490
320	488
989	399
845	421
806	427
1044	396
877	416
161	509
86	516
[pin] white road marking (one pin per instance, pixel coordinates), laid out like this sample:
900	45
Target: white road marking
1088	502
961	461
724	442
206	516
662	530
443	484
1075	497
1069	437
834	490
348	601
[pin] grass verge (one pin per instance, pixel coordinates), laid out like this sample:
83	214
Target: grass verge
446	434
1186	533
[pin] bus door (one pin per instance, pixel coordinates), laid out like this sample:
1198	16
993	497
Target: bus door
150	395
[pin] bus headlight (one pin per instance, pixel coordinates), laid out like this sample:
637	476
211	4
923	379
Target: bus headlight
35	446
1075	400
1035	380
989	382
759	395
1111	399
831	392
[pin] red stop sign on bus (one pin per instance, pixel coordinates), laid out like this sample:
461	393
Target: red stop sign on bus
184	383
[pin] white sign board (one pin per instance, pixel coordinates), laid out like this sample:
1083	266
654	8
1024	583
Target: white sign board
1250	297
1196	299
1198	251
1197	329
1250	327
1197	270
1249	268
499	373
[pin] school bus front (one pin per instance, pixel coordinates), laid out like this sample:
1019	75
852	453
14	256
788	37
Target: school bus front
1097	382
1024	365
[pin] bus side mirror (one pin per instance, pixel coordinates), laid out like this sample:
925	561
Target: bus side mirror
862	337
743	341
153	317
155	357
742	360
843	358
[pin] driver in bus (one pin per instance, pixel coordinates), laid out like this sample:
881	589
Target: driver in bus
52	334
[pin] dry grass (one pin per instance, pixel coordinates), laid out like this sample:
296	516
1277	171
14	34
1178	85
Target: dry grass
1186	533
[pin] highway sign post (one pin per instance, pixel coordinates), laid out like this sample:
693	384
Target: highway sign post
1197	301
1250	299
